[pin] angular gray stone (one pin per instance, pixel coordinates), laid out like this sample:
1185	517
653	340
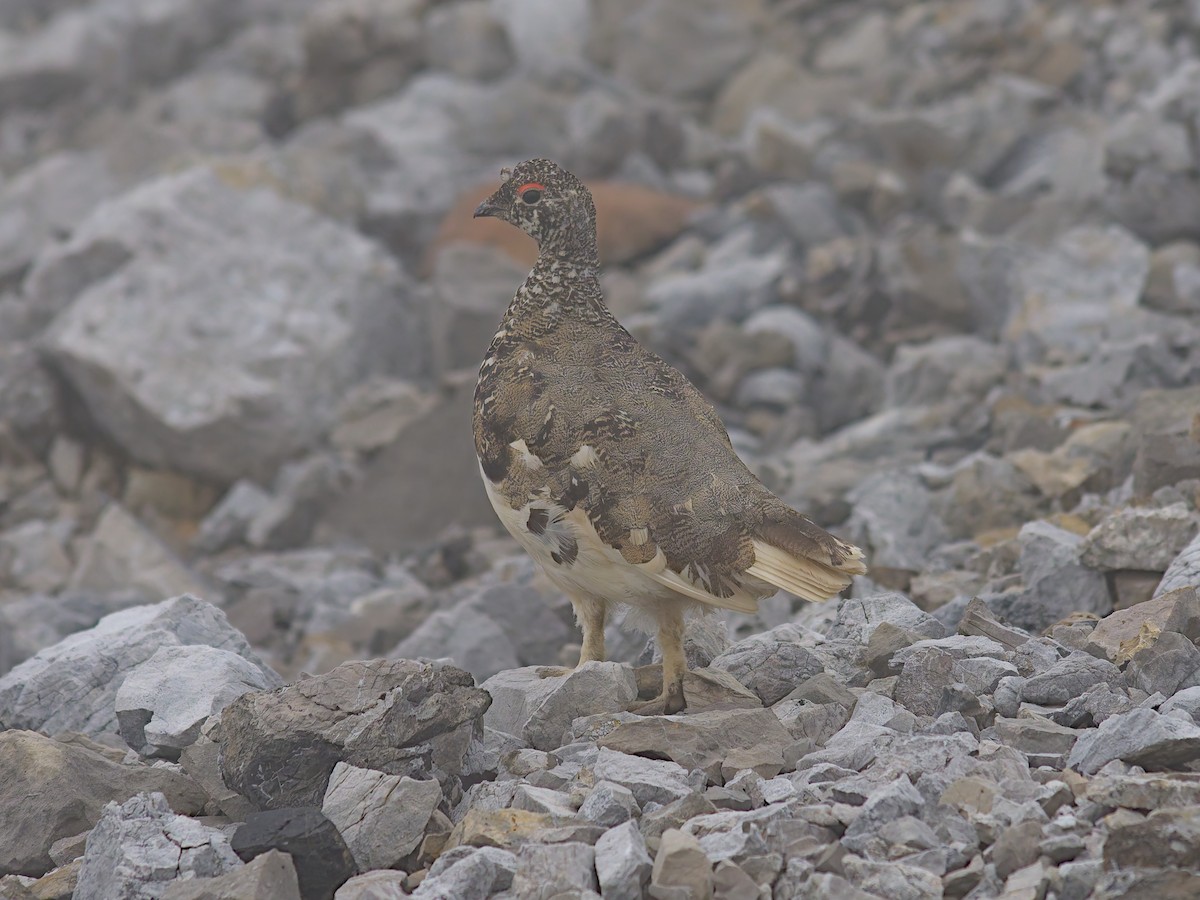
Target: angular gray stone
395	716
207	395
467	40
1170	664
139	846
650	780
558	50
473	640
1140	737
770	664
897	799
1147	539
1165	838
50	790
858	617
1184	570
381	884
228	521
622	864
1069	678
538	706
382	817
271	876
546	870
608	804
89	666
652	45
894	519
163	703
468	873
122	554
1056	582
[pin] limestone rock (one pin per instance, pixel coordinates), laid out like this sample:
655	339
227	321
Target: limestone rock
400	717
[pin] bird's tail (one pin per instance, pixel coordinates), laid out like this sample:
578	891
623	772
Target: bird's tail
794	553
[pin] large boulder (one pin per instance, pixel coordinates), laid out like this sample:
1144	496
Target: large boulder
89	667
214	330
397	716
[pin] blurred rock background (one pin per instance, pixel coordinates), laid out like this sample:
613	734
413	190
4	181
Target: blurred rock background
937	264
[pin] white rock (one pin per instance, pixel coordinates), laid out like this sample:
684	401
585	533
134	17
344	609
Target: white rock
382	817
163	702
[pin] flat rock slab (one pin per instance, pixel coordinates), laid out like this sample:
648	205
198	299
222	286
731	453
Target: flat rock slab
538	705
90	666
51	790
397	716
702	740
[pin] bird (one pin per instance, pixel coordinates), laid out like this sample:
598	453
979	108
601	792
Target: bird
609	467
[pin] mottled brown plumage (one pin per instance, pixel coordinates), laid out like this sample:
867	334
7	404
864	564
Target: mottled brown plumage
608	465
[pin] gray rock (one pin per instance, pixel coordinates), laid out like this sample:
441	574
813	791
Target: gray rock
1174	282
955	366
163	703
894	520
1066	292
924	677
122	554
382	884
395	716
858	617
1184	570
705	740
91	665
29	397
900	798
681	864
687	302
1167	837
50	790
468	873
539	706
472	639
652	47
1186	701
467	40
228	521
622	864
33	557
140	846
650	780
546	870
249	403
608	804
323	861
270	875
1171	663
1139	538
555	51
770	664
1140	737
1056	582
534	626
1069	678
382	817
1091	707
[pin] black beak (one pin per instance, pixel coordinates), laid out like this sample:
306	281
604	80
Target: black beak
489	207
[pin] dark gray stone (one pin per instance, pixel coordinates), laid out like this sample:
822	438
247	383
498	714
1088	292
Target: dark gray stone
323	861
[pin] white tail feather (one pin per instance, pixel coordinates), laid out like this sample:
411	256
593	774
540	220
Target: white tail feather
806	578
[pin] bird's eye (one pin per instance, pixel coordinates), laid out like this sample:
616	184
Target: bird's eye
530	193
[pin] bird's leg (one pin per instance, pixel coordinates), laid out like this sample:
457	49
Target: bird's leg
674	665
591	615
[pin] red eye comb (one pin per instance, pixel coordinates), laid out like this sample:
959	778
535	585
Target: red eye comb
530	186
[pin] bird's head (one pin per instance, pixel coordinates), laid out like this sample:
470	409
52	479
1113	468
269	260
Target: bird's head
550	205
